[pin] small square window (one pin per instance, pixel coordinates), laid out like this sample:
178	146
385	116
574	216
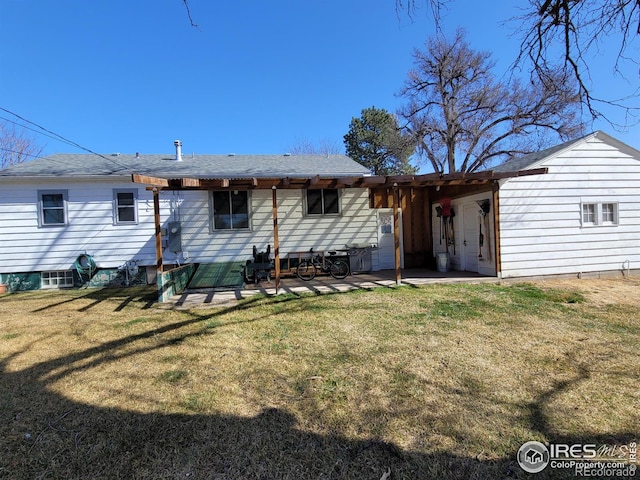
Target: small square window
322	202
599	214
57	279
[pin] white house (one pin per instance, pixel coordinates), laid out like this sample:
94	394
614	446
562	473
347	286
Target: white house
58	212
67	220
581	216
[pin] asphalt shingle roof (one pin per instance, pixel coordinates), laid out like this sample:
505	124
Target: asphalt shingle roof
196	166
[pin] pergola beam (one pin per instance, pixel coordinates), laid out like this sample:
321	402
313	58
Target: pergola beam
316	182
190	182
148	180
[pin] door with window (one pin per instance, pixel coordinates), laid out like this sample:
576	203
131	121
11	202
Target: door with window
386	240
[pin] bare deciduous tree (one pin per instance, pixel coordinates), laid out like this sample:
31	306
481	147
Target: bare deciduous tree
561	34
560	37
304	146
16	146
411	6
463	118
188	9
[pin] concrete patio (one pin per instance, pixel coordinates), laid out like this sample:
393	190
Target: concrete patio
321	285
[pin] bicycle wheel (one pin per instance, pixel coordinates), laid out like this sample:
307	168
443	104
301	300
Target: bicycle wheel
339	269
306	270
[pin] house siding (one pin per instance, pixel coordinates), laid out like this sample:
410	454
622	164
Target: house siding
540	216
26	247
356	223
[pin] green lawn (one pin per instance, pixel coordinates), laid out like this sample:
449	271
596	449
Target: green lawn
444	381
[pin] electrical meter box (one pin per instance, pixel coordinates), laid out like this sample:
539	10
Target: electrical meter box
174	230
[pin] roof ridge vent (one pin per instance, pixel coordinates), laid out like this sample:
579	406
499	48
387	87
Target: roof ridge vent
287	154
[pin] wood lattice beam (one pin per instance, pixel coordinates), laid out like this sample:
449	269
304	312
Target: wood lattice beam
316	182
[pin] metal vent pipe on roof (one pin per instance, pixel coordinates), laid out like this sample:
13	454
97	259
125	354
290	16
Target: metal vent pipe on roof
178	145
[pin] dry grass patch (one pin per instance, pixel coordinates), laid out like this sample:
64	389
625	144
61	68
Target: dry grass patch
445	381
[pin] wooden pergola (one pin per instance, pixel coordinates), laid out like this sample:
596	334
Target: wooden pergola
393	182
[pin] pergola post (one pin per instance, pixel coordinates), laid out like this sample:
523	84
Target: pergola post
276	241
396	232
496	227
156	217
158	238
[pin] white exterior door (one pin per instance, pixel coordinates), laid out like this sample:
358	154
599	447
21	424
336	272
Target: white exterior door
470	237
386	243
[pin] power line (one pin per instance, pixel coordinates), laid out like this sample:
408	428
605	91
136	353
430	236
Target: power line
63	139
20	153
32	129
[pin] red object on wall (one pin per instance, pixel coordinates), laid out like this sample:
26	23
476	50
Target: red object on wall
445	203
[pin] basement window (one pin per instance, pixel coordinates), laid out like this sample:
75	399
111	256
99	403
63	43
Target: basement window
324	201
57	279
230	210
52	208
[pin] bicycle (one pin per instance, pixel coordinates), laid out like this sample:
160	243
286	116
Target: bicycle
308	268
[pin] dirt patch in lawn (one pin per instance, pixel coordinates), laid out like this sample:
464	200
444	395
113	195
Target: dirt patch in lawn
603	291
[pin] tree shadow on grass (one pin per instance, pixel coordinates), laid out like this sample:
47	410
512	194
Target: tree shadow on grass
45	435
145	295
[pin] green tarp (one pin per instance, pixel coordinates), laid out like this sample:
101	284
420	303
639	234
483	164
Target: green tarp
212	275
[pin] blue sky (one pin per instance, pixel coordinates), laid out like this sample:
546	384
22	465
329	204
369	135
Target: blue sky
255	77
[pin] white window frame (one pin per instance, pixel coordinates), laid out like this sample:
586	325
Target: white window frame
57	279
614	213
41	208
584	213
599	214
212	220
116	206
323	213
